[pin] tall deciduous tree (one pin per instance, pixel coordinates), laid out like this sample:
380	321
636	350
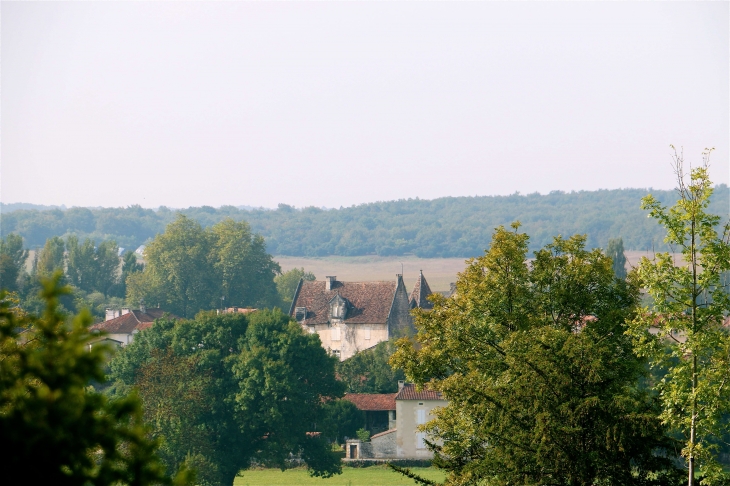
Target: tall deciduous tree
244	269
177	273
287	282
369	372
51	257
540	378
12	261
688	341
91	267
224	389
615	251
188	269
55	430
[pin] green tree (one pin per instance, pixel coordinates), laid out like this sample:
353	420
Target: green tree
51	257
369	372
81	269
129	266
12	245
56	429
91	267
340	419
177	270
188	269
287	282
12	261
688	342
243	267
247	387
615	251
540	378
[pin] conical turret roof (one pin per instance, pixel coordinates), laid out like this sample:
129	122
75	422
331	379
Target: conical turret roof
420	291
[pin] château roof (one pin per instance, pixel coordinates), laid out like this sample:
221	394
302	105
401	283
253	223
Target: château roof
134	319
420	291
372	401
409	392
369	302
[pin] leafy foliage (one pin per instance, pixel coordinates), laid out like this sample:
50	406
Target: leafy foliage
444	227
91	267
287	282
540	378
689	343
55	428
189	269
369	372
615	251
12	261
223	390
340	419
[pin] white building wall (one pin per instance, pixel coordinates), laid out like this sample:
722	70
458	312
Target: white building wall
409	415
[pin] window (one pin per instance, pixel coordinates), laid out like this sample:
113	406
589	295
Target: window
336	352
420	440
367	332
300	313
421	416
335	334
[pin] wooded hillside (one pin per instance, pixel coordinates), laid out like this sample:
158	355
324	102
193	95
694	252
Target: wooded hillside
444	227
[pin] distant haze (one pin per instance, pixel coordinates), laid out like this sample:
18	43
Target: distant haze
340	103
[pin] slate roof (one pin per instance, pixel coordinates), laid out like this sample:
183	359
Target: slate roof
127	323
372	401
420	291
369	302
409	392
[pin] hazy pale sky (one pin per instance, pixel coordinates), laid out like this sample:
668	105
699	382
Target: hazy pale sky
333	104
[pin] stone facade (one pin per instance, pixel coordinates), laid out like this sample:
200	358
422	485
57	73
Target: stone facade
381	446
352	316
403	440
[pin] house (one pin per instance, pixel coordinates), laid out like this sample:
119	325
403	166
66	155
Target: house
121	325
379	409
404	440
352	316
414	408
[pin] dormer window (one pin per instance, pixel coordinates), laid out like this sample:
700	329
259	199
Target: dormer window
338	307
300	313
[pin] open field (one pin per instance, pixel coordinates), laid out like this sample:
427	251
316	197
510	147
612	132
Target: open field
439	272
366	476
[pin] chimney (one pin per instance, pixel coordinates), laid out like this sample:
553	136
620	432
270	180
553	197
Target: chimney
142	308
401	384
125	310
111	314
329	282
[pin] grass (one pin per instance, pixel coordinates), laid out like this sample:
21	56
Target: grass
351	476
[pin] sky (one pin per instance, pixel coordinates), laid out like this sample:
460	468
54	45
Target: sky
333	104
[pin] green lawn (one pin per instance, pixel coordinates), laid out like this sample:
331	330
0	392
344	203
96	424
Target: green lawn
366	476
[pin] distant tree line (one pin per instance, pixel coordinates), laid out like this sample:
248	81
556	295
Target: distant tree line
444	227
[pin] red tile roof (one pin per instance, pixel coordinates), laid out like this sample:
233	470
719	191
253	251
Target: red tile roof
127	323
370	302
409	392
420	291
372	401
